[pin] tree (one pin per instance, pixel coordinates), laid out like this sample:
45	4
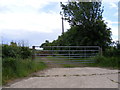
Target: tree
47	43
82	13
87	26
13	43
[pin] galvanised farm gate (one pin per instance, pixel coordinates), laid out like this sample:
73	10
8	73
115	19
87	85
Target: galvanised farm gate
67	54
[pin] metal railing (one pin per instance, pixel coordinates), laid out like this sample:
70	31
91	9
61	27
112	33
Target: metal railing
76	54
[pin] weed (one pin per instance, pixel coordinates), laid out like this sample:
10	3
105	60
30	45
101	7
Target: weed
15	68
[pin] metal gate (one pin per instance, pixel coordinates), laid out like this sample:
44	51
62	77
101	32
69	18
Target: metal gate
67	54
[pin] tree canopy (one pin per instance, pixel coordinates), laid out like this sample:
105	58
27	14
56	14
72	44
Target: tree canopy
82	13
87	25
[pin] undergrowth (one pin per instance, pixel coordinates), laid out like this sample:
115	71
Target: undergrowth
15	68
103	61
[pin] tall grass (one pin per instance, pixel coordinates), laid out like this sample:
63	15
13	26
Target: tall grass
98	61
14	68
16	62
103	61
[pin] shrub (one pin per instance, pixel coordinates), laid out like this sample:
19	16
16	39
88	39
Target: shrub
25	52
15	51
10	51
107	61
112	52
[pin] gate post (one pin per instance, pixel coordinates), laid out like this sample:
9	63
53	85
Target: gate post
33	52
100	50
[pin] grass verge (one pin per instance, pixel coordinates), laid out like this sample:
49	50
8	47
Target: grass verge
16	68
107	62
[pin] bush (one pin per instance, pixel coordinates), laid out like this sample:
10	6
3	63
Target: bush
15	51
25	52
112	52
10	51
107	61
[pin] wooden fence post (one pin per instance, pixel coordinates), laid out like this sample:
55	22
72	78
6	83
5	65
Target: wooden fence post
33	52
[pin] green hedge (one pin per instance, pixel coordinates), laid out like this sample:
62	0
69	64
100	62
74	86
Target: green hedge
15	51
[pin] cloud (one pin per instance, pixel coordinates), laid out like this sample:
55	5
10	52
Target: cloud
3	9
114	28
27	15
22	3
34	38
32	3
104	1
113	5
116	14
43	22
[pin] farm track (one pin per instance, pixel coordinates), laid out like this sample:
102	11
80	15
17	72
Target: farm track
80	77
71	78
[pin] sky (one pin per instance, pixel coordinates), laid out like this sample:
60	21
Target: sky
34	21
